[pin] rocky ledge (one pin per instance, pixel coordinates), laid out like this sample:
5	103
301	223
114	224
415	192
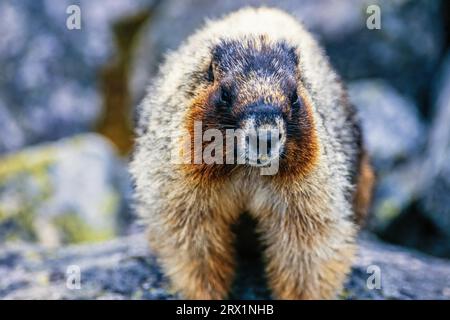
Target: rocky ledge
124	269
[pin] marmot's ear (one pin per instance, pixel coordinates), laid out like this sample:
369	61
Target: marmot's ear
210	76
213	72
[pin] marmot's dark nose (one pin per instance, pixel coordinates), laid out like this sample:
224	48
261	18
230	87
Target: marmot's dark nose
264	114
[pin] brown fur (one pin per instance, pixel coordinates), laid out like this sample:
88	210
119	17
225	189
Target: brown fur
303	154
364	188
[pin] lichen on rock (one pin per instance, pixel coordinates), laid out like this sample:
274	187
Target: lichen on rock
69	191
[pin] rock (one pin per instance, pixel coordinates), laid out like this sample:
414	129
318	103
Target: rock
73	190
391	52
11	129
395	192
47	87
394	138
124	269
412	200
414	229
357	52
391	124
436	196
405	274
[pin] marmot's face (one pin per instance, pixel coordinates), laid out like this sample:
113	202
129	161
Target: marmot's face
252	88
255	90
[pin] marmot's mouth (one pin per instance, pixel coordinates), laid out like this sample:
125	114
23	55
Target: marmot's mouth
264	159
264	143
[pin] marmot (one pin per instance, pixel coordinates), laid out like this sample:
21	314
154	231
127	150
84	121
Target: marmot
252	68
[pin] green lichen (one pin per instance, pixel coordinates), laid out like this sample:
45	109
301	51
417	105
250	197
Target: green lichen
387	211
25	162
26	176
74	230
110	203
19	226
344	295
27	183
137	295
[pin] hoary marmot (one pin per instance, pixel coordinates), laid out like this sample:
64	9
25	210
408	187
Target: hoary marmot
253	69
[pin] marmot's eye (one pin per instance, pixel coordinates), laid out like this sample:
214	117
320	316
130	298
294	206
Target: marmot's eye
225	96
210	73
295	100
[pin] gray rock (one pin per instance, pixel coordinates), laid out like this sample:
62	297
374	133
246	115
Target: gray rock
124	269
394	137
392	52
11	129
436	196
48	83
73	190
395	191
391	124
412	200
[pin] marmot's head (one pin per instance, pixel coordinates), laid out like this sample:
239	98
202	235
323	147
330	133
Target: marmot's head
253	87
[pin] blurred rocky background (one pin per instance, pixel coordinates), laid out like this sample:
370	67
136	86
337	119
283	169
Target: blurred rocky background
67	101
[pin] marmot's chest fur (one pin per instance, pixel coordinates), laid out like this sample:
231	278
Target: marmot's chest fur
248	115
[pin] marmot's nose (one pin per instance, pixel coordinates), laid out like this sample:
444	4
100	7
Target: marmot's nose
264	114
264	142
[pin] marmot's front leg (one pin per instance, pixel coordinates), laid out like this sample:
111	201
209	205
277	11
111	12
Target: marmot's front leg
306	259
194	244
